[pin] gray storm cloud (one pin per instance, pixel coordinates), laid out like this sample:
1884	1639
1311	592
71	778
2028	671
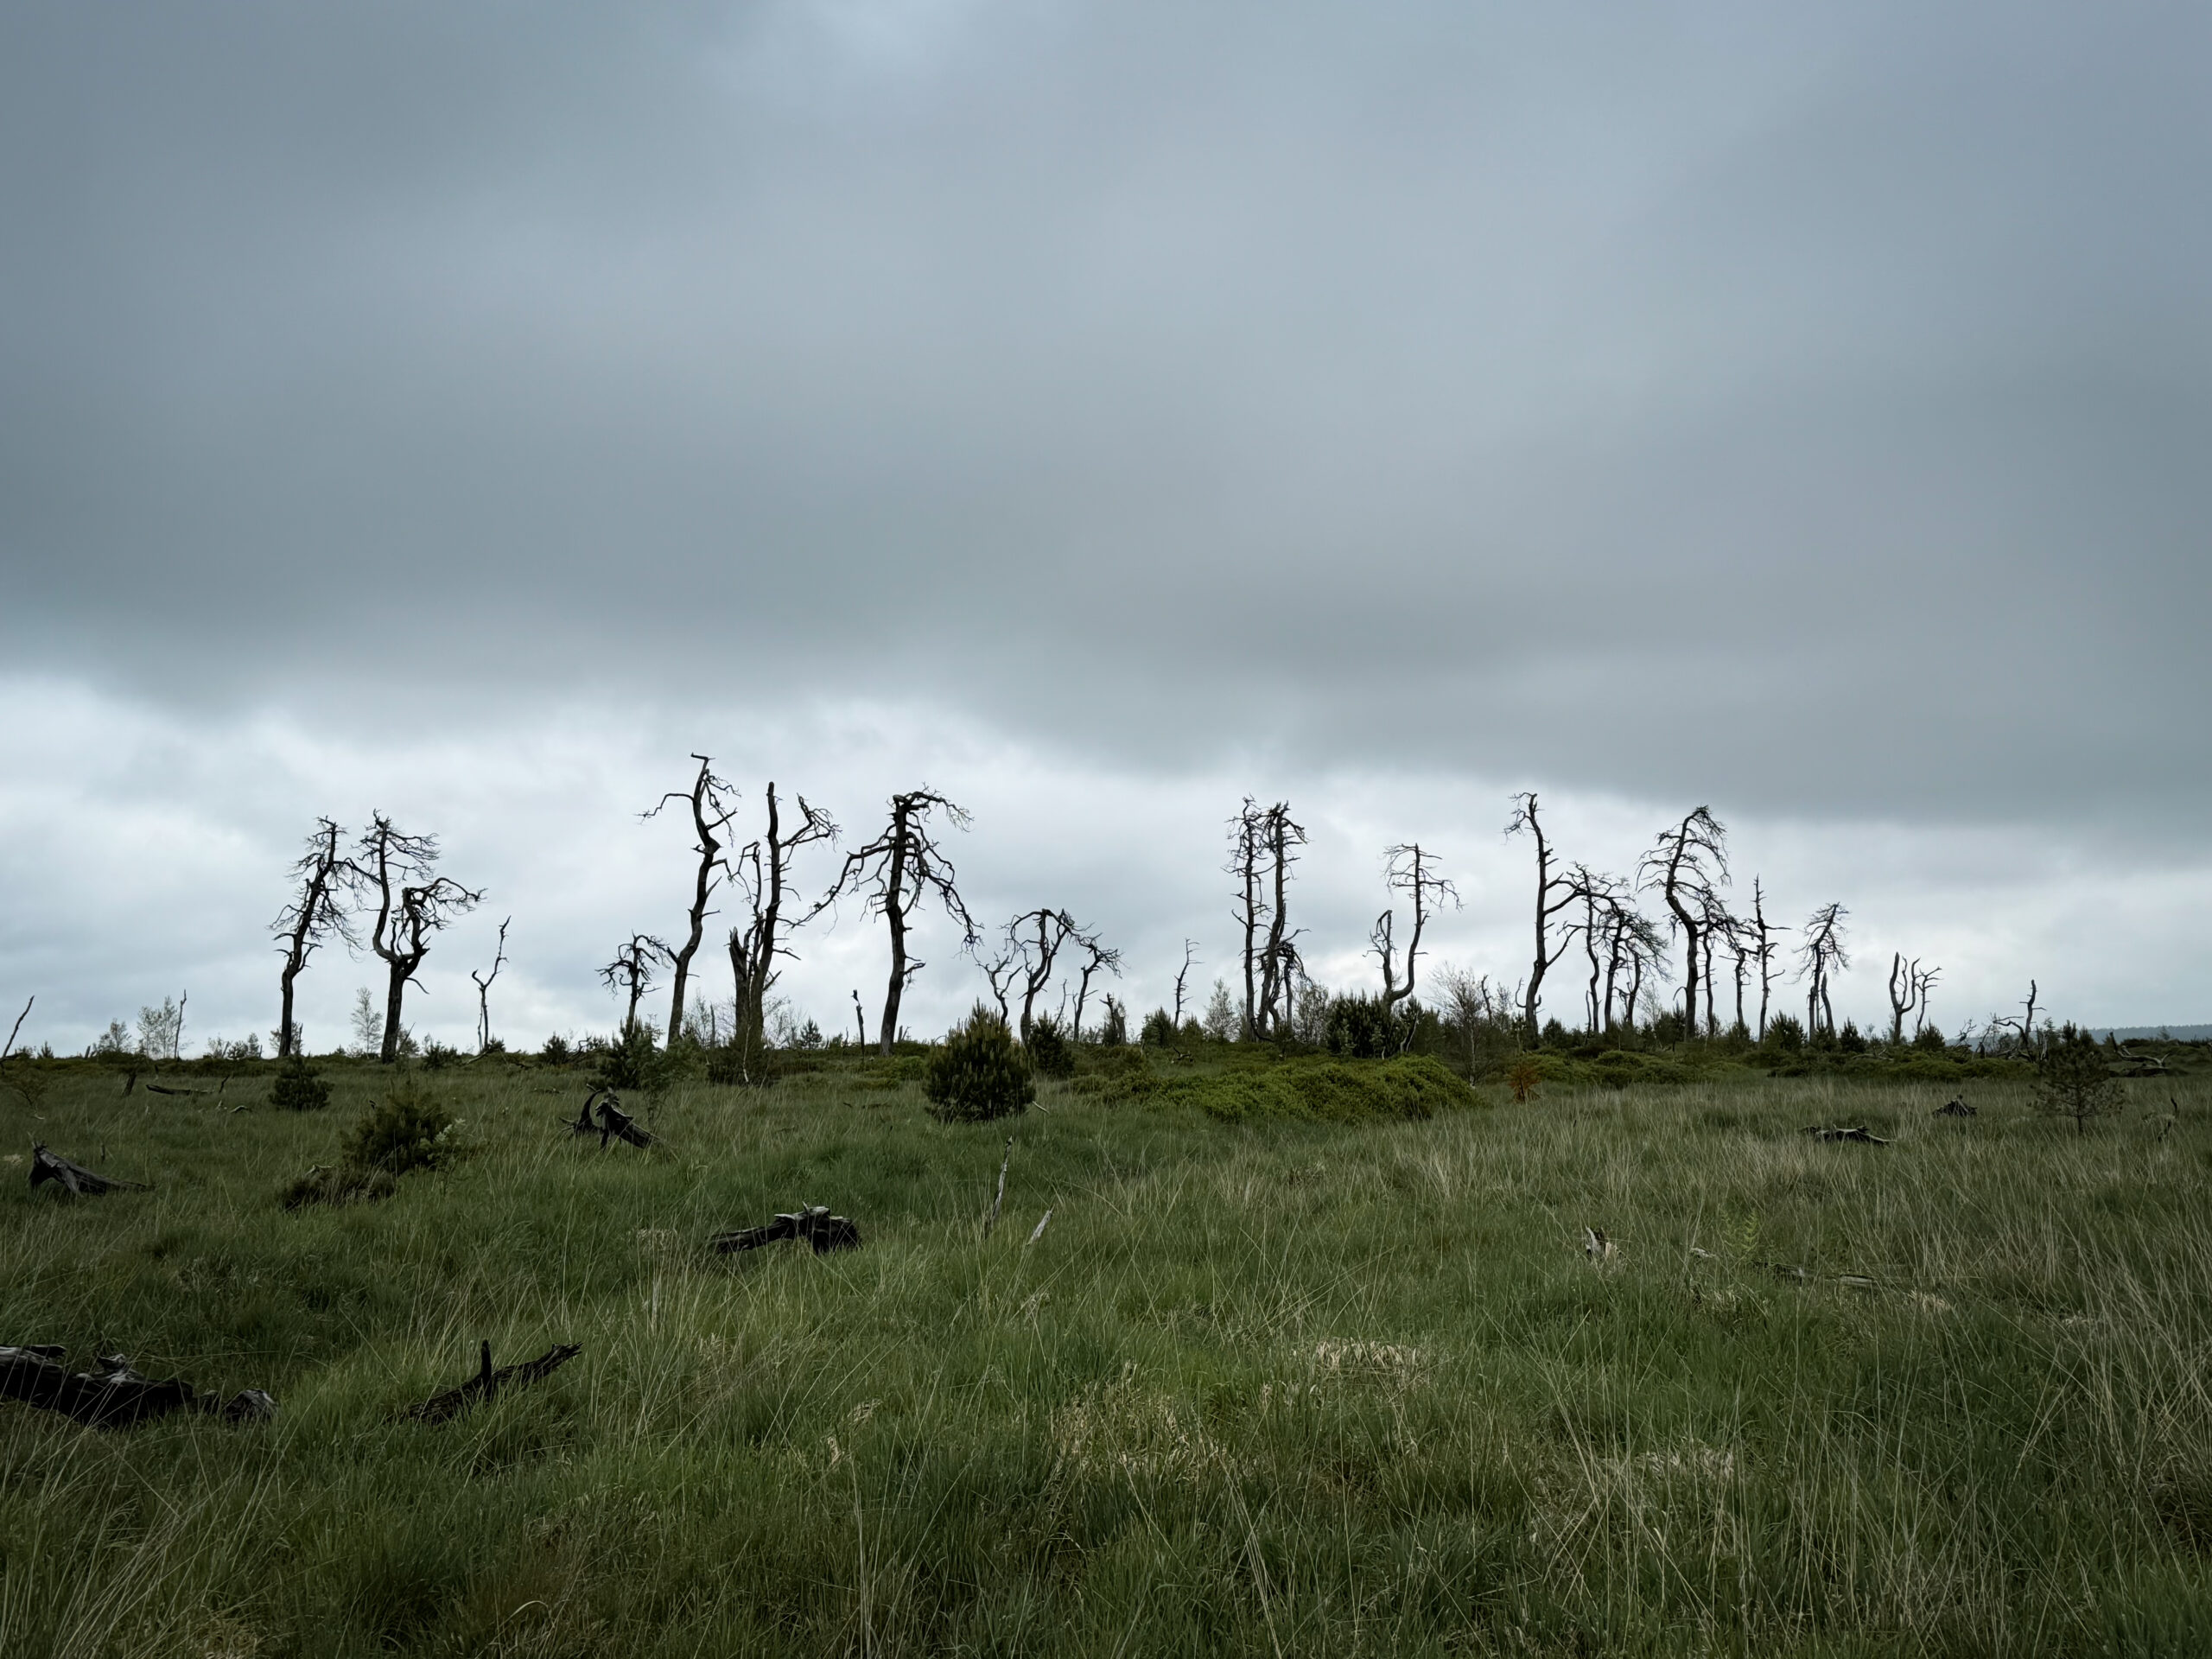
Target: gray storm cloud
1801	411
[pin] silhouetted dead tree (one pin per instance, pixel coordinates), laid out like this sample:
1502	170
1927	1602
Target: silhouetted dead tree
1643	950
1183	975
1910	984
893	873
1720	928
631	973
1408	869
1553	894
1820	957
484	991
317	915
710	811
1762	951
1097	957
1246	842
764	869
1602	929
413	902
1688	864
1280	964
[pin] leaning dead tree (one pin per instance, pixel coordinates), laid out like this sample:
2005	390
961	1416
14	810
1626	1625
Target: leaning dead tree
484	990
1182	975
1687	864
710	811
1097	958
631	973
1820	958
894	873
317	914
1553	894
413	903
763	869
1408	869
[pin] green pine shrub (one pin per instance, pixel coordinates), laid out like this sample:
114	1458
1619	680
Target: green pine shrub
979	1072
406	1130
1049	1050
297	1089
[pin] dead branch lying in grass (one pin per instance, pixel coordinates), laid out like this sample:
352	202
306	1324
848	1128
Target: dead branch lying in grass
74	1177
612	1120
1859	1134
113	1396
466	1397
816	1226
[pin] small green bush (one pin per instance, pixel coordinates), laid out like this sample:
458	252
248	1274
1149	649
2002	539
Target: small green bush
1360	1028
978	1073
630	1061
297	1089
406	1130
1159	1029
1049	1051
1786	1033
2074	1079
340	1183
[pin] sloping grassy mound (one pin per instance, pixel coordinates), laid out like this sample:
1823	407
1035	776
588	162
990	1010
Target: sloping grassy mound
1336	1092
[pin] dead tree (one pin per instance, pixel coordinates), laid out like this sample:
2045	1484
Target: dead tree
632	972
826	1233
1408	869
894	873
1033	941
1246	841
1280	964
1720	928
709	812
484	991
317	915
413	902
1604	921
1095	958
1762	952
1821	956
1553	894
763	869
1688	863
1910	984
2025	1026
1182	975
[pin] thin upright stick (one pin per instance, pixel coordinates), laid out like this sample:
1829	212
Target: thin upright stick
26	1014
992	1220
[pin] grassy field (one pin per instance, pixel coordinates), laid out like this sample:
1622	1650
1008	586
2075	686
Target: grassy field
1267	1386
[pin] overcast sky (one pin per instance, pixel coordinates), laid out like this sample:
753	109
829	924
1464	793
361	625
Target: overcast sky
1103	412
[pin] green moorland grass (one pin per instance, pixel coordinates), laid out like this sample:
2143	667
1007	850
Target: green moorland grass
1271	1386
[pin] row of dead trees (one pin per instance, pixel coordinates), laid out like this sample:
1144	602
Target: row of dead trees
383	890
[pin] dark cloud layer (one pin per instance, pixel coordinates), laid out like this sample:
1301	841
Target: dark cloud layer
1805	408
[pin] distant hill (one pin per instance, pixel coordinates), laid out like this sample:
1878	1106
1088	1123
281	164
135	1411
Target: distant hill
2179	1033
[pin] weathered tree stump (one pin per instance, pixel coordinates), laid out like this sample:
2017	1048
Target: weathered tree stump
74	1177
113	1395
824	1231
466	1397
1954	1107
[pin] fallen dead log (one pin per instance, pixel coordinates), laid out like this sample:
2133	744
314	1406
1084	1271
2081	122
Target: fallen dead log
1858	1135
75	1177
1954	1107
466	1397
114	1395
824	1231
612	1121
171	1088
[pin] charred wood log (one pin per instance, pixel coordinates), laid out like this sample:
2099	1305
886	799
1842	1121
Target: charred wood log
824	1231
1858	1135
169	1089
113	1395
612	1123
1955	1106
74	1177
466	1397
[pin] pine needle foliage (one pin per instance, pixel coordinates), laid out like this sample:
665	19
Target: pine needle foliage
979	1072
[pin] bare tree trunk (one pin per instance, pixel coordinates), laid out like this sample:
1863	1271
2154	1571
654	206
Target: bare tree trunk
895	912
